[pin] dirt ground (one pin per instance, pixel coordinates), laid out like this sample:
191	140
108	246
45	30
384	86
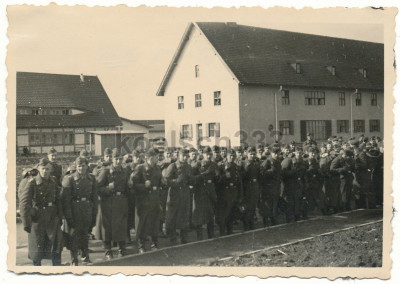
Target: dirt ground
359	247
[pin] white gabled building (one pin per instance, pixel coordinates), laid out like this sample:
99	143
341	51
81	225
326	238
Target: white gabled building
231	84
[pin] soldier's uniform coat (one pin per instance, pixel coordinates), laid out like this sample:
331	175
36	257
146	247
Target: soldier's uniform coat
113	204
331	184
79	203
270	193
178	176
314	182
343	169
40	209
148	207
251	191
56	171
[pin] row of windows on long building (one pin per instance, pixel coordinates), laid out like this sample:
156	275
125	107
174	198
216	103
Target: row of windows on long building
286	127
310	98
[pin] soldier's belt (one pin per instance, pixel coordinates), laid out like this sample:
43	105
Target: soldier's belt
82	199
209	181
45	205
254	180
119	193
154	188
191	186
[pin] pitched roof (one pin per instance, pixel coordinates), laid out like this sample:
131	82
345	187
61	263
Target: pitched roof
41	90
149	122
137	122
263	56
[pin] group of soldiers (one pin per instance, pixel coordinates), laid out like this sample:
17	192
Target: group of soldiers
185	189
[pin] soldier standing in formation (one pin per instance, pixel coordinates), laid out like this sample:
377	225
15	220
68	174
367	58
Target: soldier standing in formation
41	214
113	189
146	181
55	169
79	203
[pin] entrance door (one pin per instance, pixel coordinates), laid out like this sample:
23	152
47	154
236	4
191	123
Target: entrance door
320	129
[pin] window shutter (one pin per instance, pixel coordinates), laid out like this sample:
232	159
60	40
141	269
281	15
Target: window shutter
219	129
207	130
191	130
303	130
291	129
280	126
328	127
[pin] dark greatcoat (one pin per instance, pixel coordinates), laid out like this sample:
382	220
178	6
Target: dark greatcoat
331	183
56	171
251	191
178	176
270	193
79	203
205	196
40	209
314	182
148	207
343	169
113	204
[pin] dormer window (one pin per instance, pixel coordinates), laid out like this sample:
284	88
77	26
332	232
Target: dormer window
332	70
296	67
363	71
196	71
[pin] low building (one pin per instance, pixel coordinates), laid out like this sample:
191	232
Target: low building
232	84
60	111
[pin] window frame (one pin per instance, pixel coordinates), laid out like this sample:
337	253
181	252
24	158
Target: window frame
314	98
285	97
356	126
216	131
339	126
374	99
197	100
377	126
181	103
342	98
217	98
358	99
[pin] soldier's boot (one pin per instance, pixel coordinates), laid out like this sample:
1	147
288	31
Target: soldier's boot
85	256
122	248
109	254
210	230
199	232
141	244
154	244
222	231
265	222
56	259
183	235
37	262
74	258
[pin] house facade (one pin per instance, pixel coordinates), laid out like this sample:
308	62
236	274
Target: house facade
230	84
60	111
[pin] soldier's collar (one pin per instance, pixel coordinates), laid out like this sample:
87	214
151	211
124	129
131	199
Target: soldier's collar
38	179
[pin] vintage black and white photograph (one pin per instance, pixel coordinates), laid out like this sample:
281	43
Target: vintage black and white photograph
191	137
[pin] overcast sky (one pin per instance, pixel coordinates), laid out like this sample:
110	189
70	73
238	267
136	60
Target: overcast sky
129	49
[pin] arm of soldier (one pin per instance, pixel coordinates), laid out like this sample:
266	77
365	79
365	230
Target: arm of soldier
102	183
170	175
66	201
335	166
25	195
95	200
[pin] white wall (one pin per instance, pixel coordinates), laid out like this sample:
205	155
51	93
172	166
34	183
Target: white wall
214	76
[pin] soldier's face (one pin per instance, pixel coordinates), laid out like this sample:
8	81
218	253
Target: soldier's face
107	158
329	147
323	150
230	157
81	168
192	155
251	156
223	153
117	161
274	155
207	156
52	157
181	157
44	171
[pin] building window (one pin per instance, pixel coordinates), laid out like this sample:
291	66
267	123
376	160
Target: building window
180	102
199	130
298	68
23	111
374	100
286	127
342	98
358	99
314	98
197	100
34	139
213	130
285	97
217	98
374	125
57	139
196	71
342	126
359	126
186	131
69	138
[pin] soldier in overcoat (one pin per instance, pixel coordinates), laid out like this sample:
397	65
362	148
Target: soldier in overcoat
205	197
343	168
231	193
178	178
41	215
270	193
112	184
146	180
251	188
79	203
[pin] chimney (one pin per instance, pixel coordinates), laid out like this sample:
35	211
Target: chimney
82	78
